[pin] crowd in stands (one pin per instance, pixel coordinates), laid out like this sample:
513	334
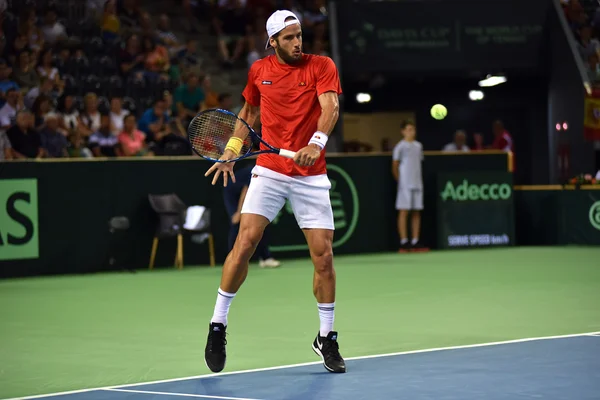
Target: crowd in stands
118	81
583	17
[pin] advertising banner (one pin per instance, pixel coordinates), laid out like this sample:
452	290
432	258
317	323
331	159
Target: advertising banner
475	209
18	219
581	217
440	35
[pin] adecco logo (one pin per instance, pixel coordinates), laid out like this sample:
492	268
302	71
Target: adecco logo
472	192
345	206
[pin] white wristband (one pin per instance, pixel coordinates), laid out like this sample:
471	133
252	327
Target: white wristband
320	139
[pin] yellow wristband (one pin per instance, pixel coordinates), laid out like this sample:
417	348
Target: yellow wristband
235	144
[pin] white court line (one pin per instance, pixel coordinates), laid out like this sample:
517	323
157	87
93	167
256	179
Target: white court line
468	346
202	396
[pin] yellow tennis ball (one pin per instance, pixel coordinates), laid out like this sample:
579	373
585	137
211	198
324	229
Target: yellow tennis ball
438	111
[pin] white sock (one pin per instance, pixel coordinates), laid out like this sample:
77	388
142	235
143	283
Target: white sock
414	241
403	241
224	300
326	315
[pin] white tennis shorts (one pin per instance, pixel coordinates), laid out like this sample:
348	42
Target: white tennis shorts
308	196
409	199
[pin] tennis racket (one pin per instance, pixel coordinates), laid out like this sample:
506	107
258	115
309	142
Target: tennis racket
210	130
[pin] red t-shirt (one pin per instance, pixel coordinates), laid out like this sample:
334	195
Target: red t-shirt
289	106
503	142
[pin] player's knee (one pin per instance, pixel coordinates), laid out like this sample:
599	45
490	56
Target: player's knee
248	239
323	260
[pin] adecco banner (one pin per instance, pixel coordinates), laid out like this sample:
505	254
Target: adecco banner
18	219
475	209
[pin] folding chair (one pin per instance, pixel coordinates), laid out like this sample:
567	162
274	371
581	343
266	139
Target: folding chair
171	218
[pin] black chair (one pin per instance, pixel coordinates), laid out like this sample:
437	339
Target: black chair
171	218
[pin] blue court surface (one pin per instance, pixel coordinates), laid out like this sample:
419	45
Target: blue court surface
560	367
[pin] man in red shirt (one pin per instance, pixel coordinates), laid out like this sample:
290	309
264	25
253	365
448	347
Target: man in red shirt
503	142
296	96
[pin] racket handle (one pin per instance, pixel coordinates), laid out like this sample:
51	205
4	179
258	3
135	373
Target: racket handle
287	153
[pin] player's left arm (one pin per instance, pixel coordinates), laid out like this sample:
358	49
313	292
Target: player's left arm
328	90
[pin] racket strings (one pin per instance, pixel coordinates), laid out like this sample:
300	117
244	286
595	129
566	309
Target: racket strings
209	133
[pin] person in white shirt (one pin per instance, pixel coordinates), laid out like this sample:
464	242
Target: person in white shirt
52	30
117	115
406	168
459	143
8	112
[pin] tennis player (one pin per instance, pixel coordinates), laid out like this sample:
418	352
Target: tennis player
296	95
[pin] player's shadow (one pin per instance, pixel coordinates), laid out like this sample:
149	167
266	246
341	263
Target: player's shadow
292	384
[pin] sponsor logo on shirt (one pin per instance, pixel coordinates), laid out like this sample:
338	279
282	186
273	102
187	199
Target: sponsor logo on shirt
302	84
267	82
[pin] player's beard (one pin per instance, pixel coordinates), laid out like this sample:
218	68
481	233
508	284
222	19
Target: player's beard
289	58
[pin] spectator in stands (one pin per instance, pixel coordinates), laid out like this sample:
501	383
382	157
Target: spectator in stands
13	105
89	118
189	98
168	97
44	89
18	45
166	36
70	116
129	13
586	44
502	139
156	62
145	26
53	141
25	141
46	68
24	74
225	101
41	107
103	142
314	23
154	122
52	30
211	98
131	59
232	26
117	115
459	143
27	28
110	24
5	82
189	56
592	67
77	147
478	142
132	140
5	147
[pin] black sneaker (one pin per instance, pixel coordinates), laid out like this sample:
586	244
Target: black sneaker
214	353
419	248
405	248
328	349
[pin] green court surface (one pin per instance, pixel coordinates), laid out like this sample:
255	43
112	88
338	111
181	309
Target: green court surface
66	333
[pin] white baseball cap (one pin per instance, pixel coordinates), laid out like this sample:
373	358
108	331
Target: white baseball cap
277	22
